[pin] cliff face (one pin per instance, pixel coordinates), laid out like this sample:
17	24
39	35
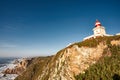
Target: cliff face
70	62
34	69
73	60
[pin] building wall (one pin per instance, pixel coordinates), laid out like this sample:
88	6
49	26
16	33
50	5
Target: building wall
99	31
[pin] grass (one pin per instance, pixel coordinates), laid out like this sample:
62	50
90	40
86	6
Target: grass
93	42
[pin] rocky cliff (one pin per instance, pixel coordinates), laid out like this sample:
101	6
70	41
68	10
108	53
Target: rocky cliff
19	67
70	61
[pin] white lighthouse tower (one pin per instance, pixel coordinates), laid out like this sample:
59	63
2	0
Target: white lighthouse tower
99	30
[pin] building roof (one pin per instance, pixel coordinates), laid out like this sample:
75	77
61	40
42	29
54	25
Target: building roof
97	23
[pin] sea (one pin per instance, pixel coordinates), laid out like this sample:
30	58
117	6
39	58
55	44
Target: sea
4	64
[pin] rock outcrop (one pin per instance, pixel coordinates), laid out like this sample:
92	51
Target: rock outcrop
115	42
19	68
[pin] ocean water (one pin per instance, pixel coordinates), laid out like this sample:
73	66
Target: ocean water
4	64
4	61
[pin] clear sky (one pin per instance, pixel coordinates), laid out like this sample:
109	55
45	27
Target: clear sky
43	27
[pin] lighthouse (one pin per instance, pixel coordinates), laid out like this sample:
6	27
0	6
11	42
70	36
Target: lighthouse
98	30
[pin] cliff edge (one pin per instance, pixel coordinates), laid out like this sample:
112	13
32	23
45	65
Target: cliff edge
75	61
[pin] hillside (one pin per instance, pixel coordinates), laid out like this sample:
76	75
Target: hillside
92	59
107	68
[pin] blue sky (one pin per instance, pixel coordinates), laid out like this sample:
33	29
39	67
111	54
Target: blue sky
43	27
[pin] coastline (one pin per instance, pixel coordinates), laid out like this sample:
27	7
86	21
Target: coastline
7	63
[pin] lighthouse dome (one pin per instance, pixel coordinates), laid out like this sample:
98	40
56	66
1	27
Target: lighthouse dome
97	23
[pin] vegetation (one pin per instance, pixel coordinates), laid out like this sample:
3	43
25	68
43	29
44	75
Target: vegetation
108	67
93	42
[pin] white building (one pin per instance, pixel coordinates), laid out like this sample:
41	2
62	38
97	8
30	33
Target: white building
98	30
